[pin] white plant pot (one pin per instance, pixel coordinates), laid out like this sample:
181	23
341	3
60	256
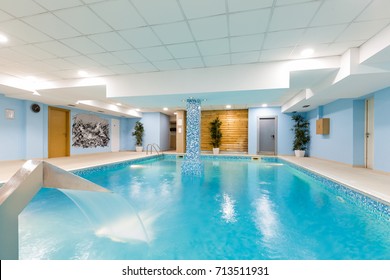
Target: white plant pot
299	153
215	151
139	149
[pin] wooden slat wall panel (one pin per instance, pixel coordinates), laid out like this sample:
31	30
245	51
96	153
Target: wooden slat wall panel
234	130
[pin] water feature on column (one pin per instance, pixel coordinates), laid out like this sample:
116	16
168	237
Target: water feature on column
192	164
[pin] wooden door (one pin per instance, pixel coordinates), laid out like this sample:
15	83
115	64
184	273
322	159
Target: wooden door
59	128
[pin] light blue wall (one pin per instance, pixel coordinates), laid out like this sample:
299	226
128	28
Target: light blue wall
284	136
338	145
12	131
36	131
382	130
358	132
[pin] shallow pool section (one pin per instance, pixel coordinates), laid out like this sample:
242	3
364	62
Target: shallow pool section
238	209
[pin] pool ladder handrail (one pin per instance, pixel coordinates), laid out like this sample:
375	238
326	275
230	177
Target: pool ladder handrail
155	147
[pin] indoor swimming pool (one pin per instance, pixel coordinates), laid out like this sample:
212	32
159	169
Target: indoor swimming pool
238	209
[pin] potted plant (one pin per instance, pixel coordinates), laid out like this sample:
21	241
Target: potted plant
301	135
215	135
138	133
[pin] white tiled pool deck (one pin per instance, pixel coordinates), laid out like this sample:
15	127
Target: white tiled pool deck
372	183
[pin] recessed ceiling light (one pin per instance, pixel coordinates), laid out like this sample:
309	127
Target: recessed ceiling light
165	109
36	93
175	113
228	106
83	73
3	39
138	109
307	52
264	105
118	104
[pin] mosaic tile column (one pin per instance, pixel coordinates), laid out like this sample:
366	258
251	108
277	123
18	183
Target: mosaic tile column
192	164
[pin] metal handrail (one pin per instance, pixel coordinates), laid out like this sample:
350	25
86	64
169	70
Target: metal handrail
155	147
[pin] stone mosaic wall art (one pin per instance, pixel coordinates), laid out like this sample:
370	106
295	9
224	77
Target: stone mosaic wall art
192	164
90	131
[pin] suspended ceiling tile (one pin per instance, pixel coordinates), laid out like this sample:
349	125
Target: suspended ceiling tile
167	65
217	60
53	5
119	14
82	61
362	30
339	48
202	8
83	20
378	9
105	59
295	16
23	31
143	67
130	56
209	28
290	2
323	34
283	39
33	51
183	50
245	57
22	8
141	37
173	33
121	69
193	62
275	54
156	53
60	64
110	41
83	45
214	47
160	12
246	43
4	16
242	5
57	48
335	11
250	22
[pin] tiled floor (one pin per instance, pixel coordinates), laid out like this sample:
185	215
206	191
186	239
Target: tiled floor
373	183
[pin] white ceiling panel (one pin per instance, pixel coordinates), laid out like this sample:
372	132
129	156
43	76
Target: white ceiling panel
122	69
82	61
335	11
217	60
250	22
129	56
342	47
167	65
156	53
202	8
209	28
276	54
245	57
362	30
296	16
290	2
105	59
160	12
23	31
144	67
31	50
324	34
52	26
119	14
110	41
39	67
83	20
14	56
183	50
4	16
22	8
214	47
60	64
192	62
58	49
141	37
243	5
53	5
83	45
283	39
378	9
246	43
173	33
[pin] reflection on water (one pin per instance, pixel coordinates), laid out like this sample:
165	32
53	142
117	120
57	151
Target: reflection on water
227	209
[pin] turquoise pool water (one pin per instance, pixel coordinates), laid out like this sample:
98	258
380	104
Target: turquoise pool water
238	210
